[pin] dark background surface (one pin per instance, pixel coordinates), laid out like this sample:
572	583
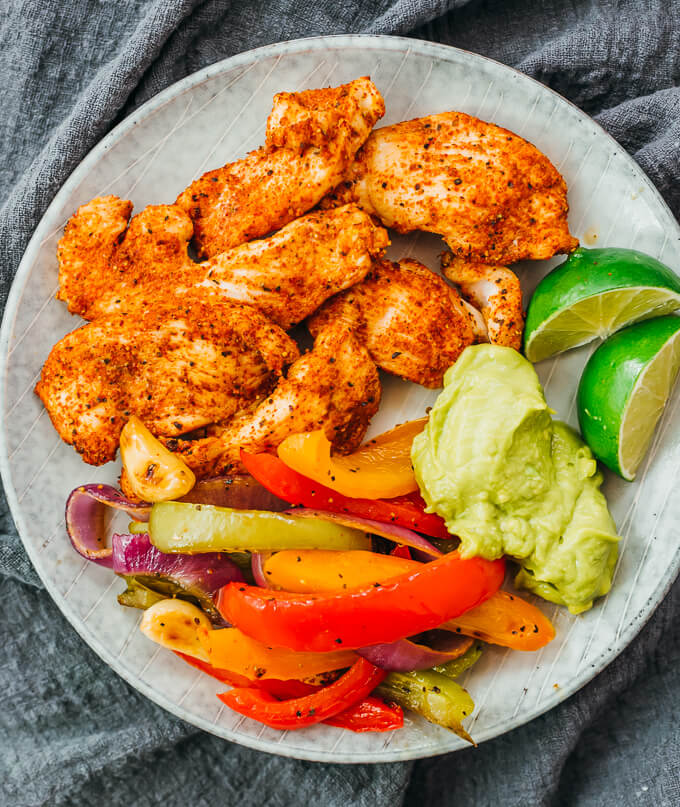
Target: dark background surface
72	732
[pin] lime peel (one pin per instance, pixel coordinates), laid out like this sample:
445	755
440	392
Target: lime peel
594	293
624	389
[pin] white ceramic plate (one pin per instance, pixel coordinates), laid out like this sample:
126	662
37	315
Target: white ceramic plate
217	115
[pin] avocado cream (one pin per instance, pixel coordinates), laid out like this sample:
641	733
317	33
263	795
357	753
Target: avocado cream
508	480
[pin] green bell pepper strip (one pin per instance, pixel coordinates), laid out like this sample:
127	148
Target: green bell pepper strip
436	697
192	528
137	595
457	666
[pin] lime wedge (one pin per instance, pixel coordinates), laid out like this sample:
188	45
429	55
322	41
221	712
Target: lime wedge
595	293
624	389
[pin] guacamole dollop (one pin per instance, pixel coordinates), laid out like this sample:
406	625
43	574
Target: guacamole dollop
509	480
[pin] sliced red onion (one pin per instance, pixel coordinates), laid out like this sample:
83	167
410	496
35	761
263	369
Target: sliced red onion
393	532
136	555
242	492
86	505
406	655
197	576
257	561
85	508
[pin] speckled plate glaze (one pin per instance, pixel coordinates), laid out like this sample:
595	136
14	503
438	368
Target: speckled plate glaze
218	115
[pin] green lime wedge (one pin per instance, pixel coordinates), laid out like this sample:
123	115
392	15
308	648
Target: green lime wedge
624	389
595	293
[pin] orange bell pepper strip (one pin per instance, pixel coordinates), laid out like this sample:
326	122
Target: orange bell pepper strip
419	600
358	682
507	620
230	649
330	572
381	469
370	714
280	689
406	511
504	619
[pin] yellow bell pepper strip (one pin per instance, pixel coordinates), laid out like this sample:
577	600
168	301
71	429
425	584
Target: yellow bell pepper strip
406	511
504	619
381	469
230	649
358	682
191	528
419	600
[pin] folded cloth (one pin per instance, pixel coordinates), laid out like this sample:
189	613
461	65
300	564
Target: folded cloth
73	732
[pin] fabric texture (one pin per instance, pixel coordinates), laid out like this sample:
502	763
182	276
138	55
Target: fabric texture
71	731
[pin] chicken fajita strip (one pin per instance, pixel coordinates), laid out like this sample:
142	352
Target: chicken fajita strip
334	387
312	137
105	269
179	365
494	197
411	321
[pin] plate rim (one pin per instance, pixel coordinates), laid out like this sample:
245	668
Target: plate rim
437	51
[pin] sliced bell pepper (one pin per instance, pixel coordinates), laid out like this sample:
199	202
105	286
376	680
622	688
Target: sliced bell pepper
503	618
508	620
230	649
406	511
411	603
436	697
280	689
358	682
380	469
325	572
457	666
370	714
191	528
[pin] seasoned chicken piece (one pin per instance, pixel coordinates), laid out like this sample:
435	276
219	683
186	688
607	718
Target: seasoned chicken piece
492	196
99	252
493	290
178	366
412	323
312	137
290	274
335	387
287	276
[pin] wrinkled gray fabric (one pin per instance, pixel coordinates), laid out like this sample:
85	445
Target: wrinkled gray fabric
73	733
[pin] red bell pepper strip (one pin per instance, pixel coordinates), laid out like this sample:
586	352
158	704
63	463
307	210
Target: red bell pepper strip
291	486
358	682
370	714
410	603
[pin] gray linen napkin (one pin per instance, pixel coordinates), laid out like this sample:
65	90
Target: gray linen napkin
72	732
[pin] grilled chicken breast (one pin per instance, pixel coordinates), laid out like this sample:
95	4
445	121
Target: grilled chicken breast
412	323
312	137
493	196
335	387
495	292
179	365
104	268
99	253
